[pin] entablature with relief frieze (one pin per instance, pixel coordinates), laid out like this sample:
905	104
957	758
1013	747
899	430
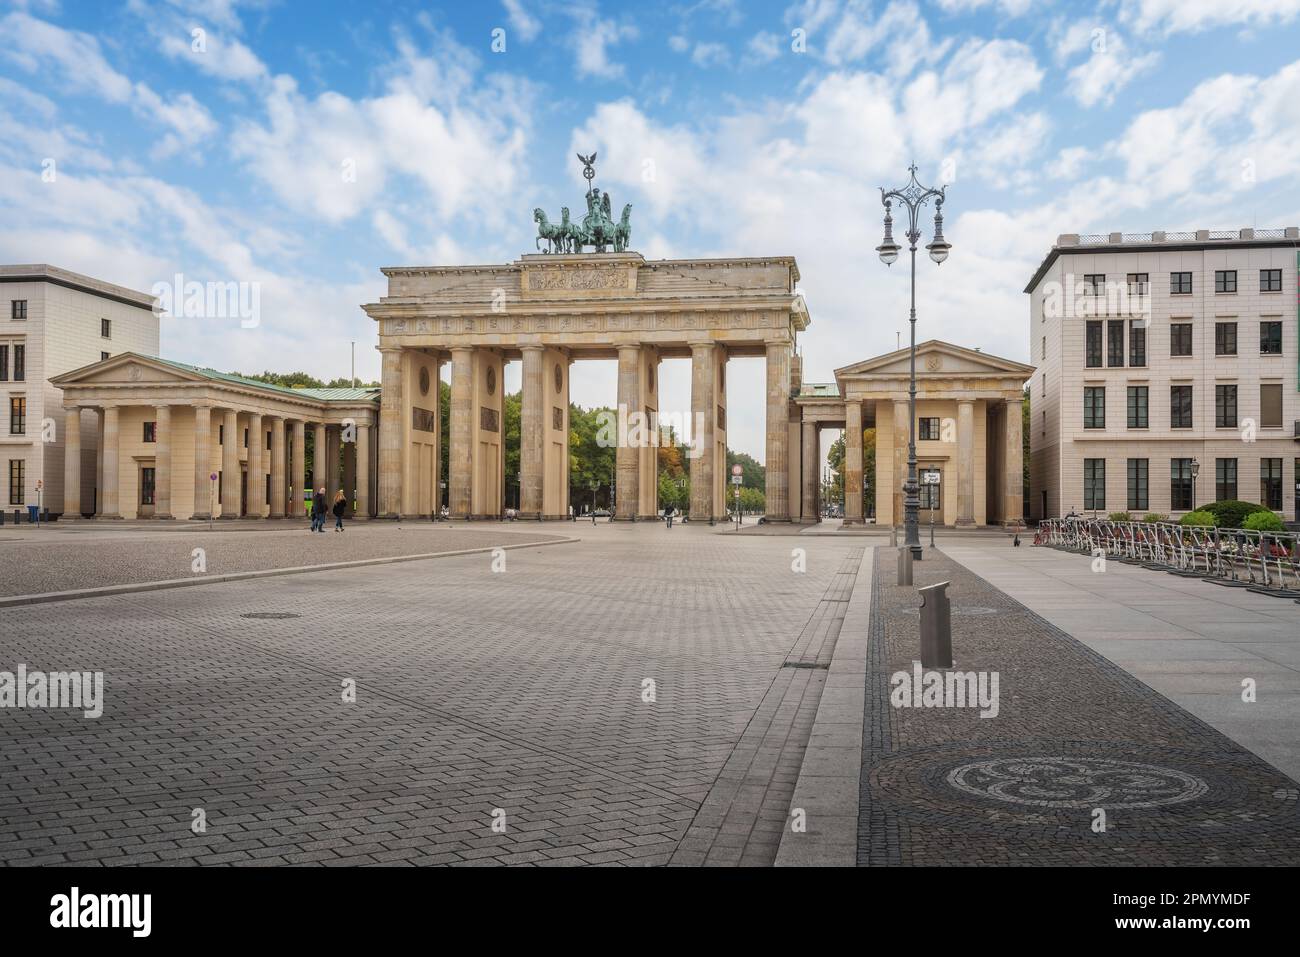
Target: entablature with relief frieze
763	322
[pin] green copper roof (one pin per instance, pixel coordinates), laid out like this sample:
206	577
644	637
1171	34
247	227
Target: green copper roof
824	390
324	395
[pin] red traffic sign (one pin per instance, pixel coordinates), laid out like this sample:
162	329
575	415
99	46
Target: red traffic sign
737	470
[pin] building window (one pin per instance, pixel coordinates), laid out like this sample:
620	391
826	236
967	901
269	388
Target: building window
929	497
1137	484
1138	283
1094	483
927	429
245	438
151	431
1225	406
1180	407
20	362
1270	405
1270	338
1225	338
1180	484
1094	407
1094	284
17	481
1137	345
1092	344
1225	280
106	328
1180	284
147	486
1180	338
268	442
1115	343
1137	407
18	310
103	356
1225	480
1270	483
1042	355
4	363
17	415
1270	280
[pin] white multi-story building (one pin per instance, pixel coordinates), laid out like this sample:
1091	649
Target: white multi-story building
1166	372
53	321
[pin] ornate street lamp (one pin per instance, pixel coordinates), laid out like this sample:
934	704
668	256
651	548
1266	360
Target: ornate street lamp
1196	470
912	198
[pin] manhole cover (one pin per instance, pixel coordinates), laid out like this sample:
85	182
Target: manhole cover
1068	782
269	615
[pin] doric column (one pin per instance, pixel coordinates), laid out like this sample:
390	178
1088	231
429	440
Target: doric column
72	463
853	462
702	413
390	433
1013	509
230	466
532	424
965	462
900	462
777	492
460	472
363	471
97	507
112	509
333	440
202	462
810	461
627	455
278	468
319	460
256	453
298	472
162	462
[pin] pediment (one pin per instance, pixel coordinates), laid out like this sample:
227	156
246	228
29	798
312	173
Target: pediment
936	358
126	369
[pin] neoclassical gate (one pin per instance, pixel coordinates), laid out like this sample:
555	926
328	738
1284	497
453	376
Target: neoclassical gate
550	310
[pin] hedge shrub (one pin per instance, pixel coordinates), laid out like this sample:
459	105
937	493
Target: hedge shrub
1232	513
1262	522
1199	517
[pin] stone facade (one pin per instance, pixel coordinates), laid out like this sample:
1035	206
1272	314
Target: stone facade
1139	451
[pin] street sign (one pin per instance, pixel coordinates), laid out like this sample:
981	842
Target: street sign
736	480
930	477
737	470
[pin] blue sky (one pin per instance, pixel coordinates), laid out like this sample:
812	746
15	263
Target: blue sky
735	128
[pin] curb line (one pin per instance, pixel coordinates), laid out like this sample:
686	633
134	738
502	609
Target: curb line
132	587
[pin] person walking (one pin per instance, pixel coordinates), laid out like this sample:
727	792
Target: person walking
318	507
668	516
340	506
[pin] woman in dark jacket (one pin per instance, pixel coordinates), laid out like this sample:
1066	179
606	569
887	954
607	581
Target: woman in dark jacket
340	506
318	511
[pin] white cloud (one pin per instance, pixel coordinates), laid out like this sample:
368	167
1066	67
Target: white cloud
523	22
763	47
710	54
899	32
592	36
1010	8
1184	16
1109	69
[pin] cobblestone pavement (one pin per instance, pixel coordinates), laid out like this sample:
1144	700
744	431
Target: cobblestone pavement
516	696
85	556
1073	734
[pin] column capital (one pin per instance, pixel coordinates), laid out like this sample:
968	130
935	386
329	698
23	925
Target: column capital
387	349
532	347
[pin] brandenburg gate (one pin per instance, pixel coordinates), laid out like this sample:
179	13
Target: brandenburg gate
552	309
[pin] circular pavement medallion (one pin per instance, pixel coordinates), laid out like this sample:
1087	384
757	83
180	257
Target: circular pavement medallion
1069	782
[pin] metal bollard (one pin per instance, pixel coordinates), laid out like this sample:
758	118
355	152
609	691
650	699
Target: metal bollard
905	566
936	626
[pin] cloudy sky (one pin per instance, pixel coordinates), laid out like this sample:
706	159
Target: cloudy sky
304	146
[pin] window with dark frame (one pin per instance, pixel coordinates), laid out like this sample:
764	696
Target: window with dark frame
1270	483
1137	407
1180	407
1270	405
17	481
1180	484
1225	280
1225	480
1138	283
927	429
18	310
1115	343
1180	338
268	441
4	363
1137	484
103	356
245	438
151	432
1137	345
1094	483
1225	406
1225	338
17	415
106	328
1270	338
20	362
1092	344
1180	284
1270	280
147	485
1094	284
1094	407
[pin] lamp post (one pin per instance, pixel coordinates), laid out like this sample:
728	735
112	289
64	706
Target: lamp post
1196	470
912	198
